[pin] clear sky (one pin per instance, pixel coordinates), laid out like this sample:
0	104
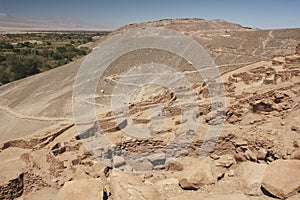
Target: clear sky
254	13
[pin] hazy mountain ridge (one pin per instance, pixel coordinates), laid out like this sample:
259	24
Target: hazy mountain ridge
10	23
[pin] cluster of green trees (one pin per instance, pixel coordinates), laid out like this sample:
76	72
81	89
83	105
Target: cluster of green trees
22	55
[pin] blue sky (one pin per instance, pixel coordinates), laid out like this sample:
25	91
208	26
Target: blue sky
254	13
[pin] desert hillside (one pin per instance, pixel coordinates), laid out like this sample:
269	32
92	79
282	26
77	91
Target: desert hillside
256	156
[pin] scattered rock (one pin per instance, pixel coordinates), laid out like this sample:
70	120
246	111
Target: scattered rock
230	173
282	178
76	161
118	161
174	166
123	124
214	156
158	167
58	149
157	159
225	161
240	142
250	155
147	176
191	184
295	128
240	157
261	154
289	151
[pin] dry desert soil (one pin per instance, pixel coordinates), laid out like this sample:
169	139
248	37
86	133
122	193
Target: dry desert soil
256	156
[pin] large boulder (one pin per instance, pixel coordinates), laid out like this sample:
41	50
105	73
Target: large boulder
91	189
250	176
131	186
198	172
282	178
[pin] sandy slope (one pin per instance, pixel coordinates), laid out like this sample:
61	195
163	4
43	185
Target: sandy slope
261	73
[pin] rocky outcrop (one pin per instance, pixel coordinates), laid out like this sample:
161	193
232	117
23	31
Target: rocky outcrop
282	178
13	188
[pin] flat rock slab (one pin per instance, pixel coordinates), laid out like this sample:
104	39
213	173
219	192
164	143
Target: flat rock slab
238	196
250	176
42	194
282	178
91	189
130	186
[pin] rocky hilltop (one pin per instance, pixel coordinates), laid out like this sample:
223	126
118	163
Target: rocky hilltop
189	25
257	155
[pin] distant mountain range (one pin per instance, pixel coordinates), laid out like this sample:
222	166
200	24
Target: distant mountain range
9	23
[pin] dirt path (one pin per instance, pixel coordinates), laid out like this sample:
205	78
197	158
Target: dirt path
21	116
270	37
